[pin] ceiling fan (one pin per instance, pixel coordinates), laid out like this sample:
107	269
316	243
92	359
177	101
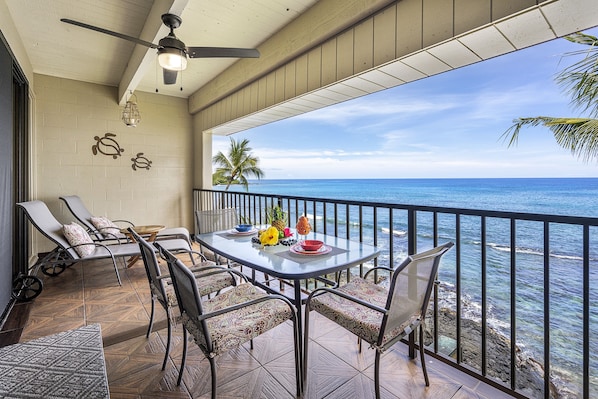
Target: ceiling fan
172	52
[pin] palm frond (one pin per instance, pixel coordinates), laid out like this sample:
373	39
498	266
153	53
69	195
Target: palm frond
237	165
580	80
582	38
578	135
512	133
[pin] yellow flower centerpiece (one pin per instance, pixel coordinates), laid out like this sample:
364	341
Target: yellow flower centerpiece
270	236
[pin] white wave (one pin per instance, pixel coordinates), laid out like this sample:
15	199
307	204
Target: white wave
570	257
398	233
447	285
529	251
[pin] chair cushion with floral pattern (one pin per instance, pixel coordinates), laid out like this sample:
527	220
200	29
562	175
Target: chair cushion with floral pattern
232	329
205	284
213	282
360	320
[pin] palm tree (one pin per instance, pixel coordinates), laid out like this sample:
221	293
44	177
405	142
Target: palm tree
237	166
580	80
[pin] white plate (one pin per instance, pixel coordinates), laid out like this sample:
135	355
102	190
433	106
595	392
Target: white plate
297	249
243	233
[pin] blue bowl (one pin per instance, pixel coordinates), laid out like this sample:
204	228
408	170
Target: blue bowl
242	228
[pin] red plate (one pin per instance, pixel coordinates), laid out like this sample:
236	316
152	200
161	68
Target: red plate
324	249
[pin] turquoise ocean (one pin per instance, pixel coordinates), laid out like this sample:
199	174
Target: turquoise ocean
554	196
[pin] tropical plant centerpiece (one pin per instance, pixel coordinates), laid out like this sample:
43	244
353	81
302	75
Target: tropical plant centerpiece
277	232
277	217
272	236
269	236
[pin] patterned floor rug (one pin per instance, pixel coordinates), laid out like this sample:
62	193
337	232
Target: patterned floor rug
66	365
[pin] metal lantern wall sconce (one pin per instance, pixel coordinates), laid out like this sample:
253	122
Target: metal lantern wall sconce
131	116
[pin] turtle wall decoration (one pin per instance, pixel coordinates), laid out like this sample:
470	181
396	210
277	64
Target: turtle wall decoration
106	145
141	162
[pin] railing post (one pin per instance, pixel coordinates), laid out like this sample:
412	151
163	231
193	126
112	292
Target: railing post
586	311
411	232
513	315
412	249
547	310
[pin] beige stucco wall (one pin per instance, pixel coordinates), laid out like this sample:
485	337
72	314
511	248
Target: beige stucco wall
69	114
9	31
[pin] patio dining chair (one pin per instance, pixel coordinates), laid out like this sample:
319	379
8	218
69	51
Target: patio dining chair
229	319
210	279
216	219
80	247
378	315
210	220
100	226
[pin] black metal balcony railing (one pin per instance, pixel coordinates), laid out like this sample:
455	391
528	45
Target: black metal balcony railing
516	302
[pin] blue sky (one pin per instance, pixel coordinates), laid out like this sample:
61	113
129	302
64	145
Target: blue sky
446	126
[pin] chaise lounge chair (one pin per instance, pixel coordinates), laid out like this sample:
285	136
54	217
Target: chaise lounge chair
83	215
67	253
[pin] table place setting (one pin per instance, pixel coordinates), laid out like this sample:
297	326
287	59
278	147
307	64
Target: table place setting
310	247
240	230
301	252
243	230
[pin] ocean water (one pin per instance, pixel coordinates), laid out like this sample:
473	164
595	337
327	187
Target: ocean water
555	196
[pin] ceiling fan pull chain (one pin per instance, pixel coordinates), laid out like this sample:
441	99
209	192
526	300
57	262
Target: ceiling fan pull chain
156	77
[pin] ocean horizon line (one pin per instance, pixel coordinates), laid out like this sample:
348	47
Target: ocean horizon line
421	178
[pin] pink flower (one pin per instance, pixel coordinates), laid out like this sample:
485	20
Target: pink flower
287	232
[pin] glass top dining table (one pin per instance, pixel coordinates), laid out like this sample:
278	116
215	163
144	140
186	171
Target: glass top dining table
280	261
285	263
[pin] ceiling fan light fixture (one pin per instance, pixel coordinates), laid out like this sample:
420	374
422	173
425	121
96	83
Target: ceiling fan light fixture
172	58
172	52
131	116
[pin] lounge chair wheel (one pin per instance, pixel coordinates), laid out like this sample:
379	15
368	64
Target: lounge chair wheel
26	288
53	270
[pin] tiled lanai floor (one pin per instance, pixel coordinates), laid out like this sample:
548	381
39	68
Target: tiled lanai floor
89	293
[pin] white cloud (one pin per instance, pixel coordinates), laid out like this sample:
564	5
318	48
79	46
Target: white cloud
383	104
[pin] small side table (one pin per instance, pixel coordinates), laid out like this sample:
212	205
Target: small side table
149	232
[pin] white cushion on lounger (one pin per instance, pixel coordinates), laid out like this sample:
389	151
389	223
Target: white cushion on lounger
105	225
76	235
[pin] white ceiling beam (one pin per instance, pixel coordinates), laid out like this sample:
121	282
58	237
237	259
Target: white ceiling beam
569	16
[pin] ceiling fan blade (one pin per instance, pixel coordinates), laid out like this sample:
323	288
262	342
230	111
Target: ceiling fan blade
169	76
109	32
212	52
